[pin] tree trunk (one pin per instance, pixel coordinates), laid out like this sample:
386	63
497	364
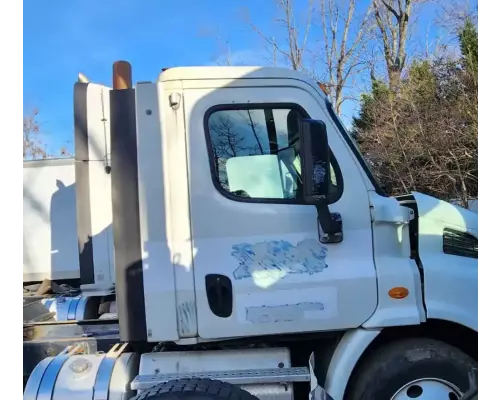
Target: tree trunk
394	79
338	100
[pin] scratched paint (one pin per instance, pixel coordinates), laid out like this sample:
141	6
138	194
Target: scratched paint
284	313
186	317
275	259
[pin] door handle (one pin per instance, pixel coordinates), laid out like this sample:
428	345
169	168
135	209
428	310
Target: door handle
219	294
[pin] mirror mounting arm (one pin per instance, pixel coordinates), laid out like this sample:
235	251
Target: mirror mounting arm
329	225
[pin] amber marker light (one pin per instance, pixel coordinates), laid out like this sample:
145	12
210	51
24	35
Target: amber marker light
399	293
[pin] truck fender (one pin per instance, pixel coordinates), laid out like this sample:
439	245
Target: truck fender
442	311
344	359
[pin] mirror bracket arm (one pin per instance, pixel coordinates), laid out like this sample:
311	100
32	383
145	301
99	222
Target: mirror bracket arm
329	225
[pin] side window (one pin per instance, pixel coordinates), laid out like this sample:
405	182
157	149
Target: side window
255	153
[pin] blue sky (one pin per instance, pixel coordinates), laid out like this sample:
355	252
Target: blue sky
64	37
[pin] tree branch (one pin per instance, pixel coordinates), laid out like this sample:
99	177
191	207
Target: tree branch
392	10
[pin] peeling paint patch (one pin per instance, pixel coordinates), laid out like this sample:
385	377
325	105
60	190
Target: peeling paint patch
277	258
284	313
186	318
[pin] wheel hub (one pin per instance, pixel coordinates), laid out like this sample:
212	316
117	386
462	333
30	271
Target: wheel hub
428	389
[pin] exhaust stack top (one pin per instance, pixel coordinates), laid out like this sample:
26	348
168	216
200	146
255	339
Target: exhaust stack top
122	75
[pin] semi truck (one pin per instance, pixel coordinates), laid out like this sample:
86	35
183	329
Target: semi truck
250	253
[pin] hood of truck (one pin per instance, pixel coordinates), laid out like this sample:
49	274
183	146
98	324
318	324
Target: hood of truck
440	214
450	279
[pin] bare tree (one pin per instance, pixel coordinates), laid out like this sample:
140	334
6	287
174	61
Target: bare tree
224	51
229	140
33	148
296	35
226	141
453	14
393	18
339	50
223	56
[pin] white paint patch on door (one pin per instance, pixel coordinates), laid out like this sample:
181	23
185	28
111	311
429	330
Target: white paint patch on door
273	307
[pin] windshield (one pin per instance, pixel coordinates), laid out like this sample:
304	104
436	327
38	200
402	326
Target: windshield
354	149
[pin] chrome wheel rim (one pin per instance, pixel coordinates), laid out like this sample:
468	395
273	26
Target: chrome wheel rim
428	389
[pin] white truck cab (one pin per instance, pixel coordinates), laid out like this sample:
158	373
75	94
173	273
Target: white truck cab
251	237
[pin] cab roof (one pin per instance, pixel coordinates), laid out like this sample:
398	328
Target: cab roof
219	72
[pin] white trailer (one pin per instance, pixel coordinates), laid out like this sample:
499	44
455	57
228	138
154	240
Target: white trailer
67	218
67	204
256	256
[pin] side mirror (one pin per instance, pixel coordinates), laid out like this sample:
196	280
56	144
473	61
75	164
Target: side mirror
317	188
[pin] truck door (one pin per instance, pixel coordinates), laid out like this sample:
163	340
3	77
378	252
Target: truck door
259	267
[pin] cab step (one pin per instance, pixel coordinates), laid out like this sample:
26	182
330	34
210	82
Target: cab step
236	377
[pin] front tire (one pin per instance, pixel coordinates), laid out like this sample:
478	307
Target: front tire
195	389
419	368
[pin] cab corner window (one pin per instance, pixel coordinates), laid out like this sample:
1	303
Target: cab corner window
255	153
